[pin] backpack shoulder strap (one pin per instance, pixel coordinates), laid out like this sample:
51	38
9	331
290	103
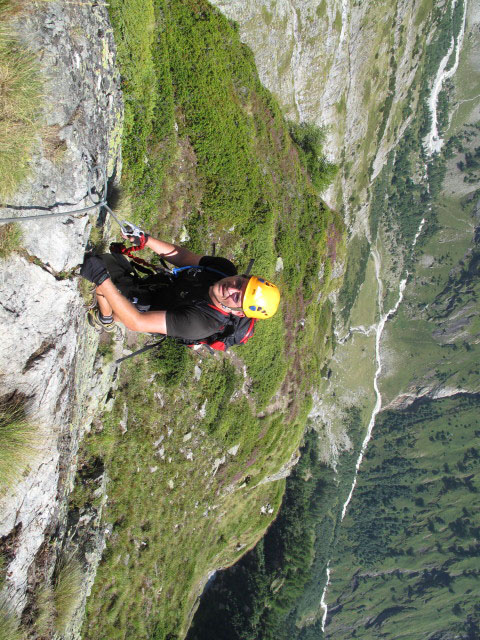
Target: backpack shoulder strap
213	306
198	267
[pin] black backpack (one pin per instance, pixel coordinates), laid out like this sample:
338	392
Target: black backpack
235	330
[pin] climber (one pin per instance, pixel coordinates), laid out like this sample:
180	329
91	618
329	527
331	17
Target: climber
208	300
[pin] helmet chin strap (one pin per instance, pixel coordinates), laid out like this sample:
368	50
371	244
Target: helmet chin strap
224	306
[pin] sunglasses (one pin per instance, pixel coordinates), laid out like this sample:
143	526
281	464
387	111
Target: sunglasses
238	283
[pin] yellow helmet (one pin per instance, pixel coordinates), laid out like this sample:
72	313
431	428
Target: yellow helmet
261	298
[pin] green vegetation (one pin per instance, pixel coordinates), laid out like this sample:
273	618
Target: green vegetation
105	348
400	196
321	10
18	441
378	79
10	624
20	100
444	286
269	593
189	505
387	105
206	148
358	253
448	25
10	238
44	611
337	23
310	139
248	601
10	628
53	601
403	199
410	538
408	558
254	598
67	592
147	88
229	161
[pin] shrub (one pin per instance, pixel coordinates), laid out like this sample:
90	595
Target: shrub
310	139
9	624
45	614
173	362
10	628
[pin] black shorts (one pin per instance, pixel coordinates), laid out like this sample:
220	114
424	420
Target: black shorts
147	292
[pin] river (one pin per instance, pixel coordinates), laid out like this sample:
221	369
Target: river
432	144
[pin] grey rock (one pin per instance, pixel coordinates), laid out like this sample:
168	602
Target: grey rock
217	464
48	352
85	540
316	62
123	424
82	116
285	471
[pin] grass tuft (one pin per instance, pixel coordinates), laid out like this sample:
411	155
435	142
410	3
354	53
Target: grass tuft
45	616
20	94
17	441
67	592
10	628
10	8
10	238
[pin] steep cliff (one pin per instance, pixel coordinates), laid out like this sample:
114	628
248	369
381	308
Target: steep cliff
346	66
48	354
405	323
205	442
358	70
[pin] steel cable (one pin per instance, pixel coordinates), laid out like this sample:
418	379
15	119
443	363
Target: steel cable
101	203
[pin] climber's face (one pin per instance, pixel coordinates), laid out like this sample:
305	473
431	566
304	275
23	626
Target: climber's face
229	292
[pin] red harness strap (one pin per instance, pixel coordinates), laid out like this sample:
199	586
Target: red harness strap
249	333
119	247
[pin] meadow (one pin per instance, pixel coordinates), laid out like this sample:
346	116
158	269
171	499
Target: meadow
207	159
410	536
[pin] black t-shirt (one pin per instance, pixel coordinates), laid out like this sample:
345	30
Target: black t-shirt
189	315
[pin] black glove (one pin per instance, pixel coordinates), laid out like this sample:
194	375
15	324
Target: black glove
94	270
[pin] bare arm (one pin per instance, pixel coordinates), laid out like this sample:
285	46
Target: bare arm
178	256
128	314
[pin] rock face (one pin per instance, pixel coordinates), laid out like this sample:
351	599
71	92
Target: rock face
48	351
82	121
335	63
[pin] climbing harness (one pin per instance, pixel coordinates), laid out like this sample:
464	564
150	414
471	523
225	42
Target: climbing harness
119	247
235	330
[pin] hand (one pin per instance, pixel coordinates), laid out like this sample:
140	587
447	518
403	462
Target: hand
137	236
94	270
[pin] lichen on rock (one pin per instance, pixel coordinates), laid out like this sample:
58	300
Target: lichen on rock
48	353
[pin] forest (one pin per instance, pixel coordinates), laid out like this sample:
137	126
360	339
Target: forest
411	534
277	583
